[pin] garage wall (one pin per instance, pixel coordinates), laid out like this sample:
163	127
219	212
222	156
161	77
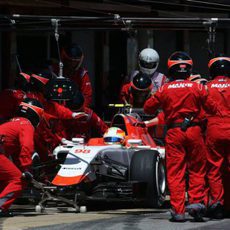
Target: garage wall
86	40
167	42
118	53
199	51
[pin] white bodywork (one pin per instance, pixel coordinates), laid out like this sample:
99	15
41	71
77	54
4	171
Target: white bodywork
80	157
77	162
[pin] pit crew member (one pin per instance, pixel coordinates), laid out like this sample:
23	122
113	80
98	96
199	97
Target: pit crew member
181	101
137	91
17	142
148	62
72	57
45	137
218	137
89	126
11	98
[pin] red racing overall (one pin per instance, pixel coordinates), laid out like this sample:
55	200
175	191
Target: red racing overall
45	138
218	143
17	142
184	149
82	127
10	100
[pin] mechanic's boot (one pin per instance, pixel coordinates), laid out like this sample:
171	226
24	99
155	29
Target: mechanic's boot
216	211
197	211
175	217
5	213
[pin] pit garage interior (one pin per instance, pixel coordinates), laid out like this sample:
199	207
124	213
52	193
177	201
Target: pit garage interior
111	34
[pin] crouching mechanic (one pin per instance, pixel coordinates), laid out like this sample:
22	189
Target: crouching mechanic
181	101
17	142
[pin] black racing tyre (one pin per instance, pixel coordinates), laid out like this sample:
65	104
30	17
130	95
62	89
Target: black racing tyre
147	166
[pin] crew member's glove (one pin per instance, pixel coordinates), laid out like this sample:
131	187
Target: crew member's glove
27	176
65	141
78	115
140	124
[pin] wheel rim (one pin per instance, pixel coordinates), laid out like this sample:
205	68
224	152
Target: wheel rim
160	177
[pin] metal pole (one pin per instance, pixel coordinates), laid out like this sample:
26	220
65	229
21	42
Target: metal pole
44	17
55	23
212	23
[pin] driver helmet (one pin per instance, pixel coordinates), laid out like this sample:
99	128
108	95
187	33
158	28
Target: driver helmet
148	61
114	136
72	55
31	109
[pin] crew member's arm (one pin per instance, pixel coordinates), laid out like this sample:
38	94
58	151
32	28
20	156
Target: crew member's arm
26	140
209	105
152	104
86	89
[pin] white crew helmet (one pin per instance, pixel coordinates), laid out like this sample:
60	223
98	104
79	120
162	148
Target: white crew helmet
148	61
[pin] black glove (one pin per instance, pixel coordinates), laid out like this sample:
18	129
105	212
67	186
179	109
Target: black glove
27	176
140	124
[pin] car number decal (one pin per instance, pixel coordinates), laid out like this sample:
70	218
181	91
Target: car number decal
82	151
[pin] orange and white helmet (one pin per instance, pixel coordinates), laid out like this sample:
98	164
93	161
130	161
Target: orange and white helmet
114	136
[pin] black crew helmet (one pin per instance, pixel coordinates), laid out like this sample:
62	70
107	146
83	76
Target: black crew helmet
22	81
141	87
73	54
180	65
31	109
39	79
219	66
77	102
141	82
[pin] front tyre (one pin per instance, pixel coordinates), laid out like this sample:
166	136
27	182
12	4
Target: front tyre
147	166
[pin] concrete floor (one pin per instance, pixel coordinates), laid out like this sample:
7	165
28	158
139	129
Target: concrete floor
113	218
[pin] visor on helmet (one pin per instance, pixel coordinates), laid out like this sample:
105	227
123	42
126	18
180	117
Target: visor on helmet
113	140
114	135
148	65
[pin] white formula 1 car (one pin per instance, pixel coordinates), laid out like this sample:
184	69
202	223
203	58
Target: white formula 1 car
96	171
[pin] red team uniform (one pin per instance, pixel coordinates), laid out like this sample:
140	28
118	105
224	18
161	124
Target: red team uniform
11	98
18	143
182	99
218	137
72	57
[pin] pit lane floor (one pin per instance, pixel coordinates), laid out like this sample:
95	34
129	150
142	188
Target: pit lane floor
110	216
